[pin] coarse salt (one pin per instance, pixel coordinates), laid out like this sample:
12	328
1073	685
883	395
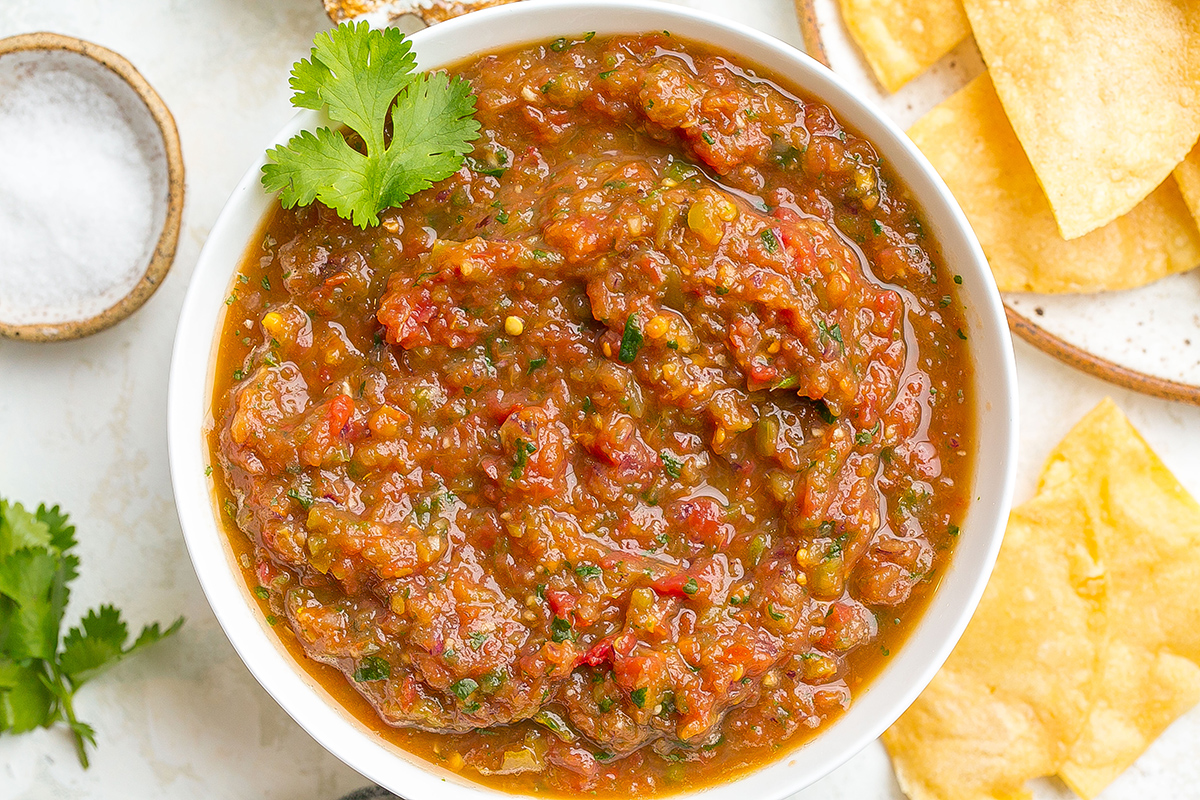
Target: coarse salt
78	188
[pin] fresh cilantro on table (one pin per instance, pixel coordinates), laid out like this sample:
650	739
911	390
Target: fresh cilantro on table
39	675
365	79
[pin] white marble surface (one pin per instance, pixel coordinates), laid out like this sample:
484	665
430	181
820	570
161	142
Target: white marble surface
83	424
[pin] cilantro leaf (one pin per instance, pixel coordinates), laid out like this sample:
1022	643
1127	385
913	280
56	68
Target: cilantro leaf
25	700
365	78
323	166
524	451
99	642
671	465
152	633
432	128
20	529
95	642
357	72
38	680
560	630
62	533
631	340
28	627
464	688
373	668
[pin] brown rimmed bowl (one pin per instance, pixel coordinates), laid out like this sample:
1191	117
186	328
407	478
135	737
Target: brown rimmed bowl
158	140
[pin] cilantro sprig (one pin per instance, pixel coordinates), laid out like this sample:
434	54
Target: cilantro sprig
39	675
365	79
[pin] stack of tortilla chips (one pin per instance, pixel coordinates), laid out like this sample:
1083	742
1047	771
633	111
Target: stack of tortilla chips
1086	645
1062	154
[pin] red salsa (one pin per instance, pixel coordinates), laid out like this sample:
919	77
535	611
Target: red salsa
620	460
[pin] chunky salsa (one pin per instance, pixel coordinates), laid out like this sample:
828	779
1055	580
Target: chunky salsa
620	460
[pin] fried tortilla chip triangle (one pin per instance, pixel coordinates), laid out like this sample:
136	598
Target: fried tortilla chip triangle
970	143
1104	95
1086	644
1019	685
900	39
1148	530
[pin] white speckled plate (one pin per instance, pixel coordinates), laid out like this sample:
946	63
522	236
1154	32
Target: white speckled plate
1145	339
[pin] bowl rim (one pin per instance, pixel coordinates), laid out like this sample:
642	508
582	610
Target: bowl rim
163	254
941	624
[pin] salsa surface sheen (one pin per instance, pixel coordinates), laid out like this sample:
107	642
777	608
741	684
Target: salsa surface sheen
621	459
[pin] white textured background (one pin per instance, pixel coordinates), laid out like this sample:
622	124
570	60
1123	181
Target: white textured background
83	424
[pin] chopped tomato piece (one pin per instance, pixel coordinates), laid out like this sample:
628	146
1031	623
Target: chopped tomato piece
404	315
561	603
846	626
703	518
682	584
340	412
600	652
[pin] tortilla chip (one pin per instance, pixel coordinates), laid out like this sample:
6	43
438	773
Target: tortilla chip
1085	646
1018	687
969	141
1104	95
1187	175
902	38
1148	530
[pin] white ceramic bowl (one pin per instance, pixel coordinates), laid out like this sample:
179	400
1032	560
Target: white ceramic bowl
996	413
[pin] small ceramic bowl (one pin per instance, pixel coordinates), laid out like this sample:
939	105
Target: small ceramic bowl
157	139
995	414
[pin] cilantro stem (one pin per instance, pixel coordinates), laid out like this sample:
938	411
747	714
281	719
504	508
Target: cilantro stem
66	698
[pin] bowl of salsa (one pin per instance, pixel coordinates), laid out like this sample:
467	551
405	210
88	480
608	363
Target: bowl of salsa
665	446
